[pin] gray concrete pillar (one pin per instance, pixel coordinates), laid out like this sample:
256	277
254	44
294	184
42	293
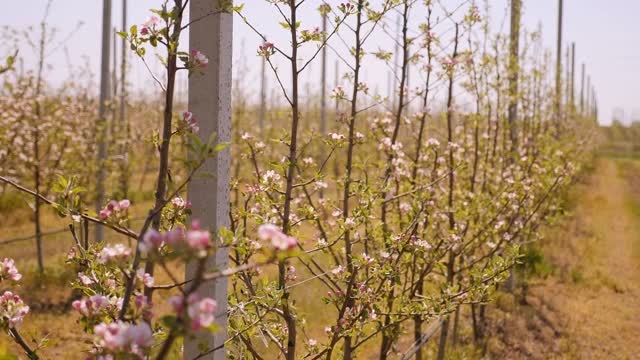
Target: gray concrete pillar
210	103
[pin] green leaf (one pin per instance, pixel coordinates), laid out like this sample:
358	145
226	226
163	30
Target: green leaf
238	8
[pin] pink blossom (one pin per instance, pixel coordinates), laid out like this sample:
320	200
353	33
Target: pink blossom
180	203
104	213
200	311
141	335
142	303
192	122
193	239
291	273
12	309
124	204
8	270
177	304
117	252
199	59
91	306
114	207
279	240
111	284
146	278
123	337
111	336
266	49
151	240
152	21
84	279
268	231
175	236
149	25
198	239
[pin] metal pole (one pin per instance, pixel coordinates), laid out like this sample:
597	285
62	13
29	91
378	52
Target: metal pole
558	100
572	88
105	95
514	52
210	101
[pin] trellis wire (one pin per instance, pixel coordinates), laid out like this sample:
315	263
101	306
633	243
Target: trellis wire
433	328
45	233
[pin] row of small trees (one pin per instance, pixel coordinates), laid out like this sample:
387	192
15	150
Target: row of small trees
390	220
430	207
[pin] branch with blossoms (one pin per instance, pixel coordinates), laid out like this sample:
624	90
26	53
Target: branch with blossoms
92	219
12	308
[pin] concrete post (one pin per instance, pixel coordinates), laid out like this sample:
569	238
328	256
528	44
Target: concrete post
105	95
210	102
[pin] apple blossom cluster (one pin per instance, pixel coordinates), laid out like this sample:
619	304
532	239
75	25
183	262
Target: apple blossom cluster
12	310
279	240
266	50
92	305
117	253
151	25
120	338
190	122
115	209
200	312
198	59
180	203
347	8
8	270
194	240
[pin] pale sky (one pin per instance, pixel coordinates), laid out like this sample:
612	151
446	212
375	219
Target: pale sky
605	33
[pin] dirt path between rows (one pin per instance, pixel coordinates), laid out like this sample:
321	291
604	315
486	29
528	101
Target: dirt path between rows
589	308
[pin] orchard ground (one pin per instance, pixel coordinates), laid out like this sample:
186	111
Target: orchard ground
583	300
